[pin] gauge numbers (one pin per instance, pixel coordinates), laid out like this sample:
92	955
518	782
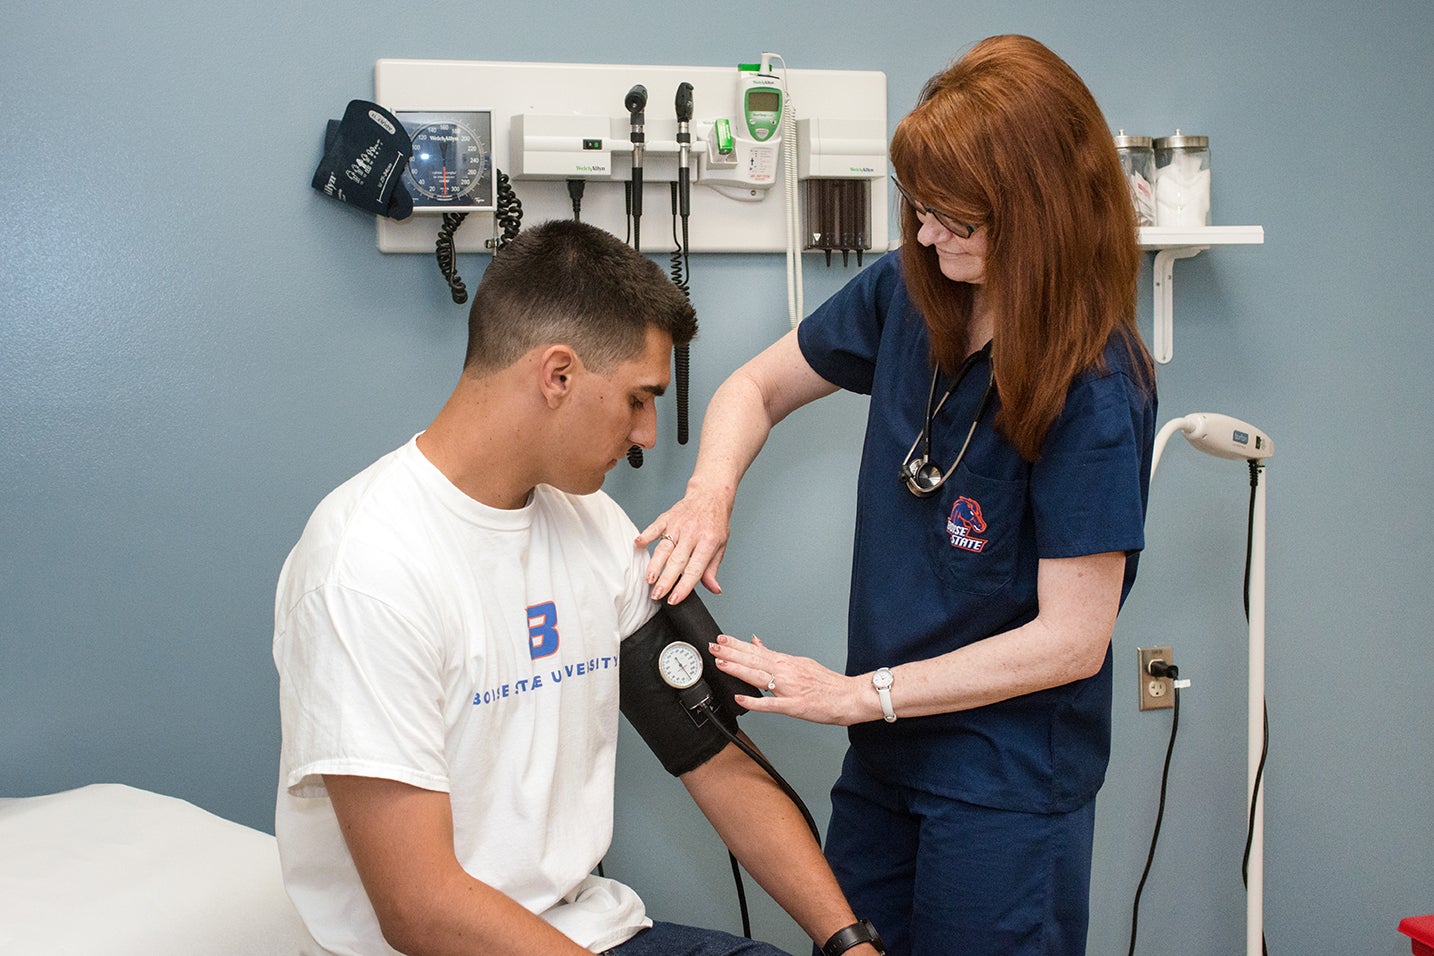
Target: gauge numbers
450	167
680	665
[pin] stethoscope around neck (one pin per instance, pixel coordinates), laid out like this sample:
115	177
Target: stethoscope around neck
921	477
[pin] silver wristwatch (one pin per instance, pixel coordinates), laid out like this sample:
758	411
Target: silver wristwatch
881	680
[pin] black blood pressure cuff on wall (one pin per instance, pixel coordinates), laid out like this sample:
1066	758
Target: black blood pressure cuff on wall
682	738
365	155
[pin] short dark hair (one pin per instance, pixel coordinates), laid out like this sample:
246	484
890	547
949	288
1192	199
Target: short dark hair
570	282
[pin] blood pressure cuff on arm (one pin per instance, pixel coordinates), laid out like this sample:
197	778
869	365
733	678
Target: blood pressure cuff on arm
654	709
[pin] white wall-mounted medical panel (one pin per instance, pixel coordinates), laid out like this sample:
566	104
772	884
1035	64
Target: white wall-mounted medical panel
547	104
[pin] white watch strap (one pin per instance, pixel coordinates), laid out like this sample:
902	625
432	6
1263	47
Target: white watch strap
883	693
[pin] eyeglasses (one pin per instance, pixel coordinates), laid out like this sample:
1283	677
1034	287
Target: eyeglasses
962	230
921	476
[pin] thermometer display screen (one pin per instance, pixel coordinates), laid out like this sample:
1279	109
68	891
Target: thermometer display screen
764	101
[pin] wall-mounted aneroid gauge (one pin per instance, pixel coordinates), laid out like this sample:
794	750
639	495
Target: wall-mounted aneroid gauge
451	168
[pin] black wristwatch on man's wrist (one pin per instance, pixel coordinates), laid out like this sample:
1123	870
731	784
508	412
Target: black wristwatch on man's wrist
854	935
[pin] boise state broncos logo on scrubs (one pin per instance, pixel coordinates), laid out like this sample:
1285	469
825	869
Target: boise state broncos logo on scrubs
966	518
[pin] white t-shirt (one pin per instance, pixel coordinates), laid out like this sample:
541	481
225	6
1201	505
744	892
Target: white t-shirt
426	638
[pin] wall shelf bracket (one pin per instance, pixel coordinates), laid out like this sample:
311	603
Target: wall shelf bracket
1172	243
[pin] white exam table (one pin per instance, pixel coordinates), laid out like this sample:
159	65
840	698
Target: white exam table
109	870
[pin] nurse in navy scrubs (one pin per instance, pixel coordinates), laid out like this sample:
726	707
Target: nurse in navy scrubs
1001	503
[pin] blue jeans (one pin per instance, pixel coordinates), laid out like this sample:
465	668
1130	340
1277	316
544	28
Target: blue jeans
938	876
671	939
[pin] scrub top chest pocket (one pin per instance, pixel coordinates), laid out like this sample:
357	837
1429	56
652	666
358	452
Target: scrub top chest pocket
973	531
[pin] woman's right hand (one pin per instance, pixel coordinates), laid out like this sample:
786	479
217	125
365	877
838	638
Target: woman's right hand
691	539
692	535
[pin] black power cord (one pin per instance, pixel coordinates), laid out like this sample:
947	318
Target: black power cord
1157	669
575	193
1161	669
1255	468
741	894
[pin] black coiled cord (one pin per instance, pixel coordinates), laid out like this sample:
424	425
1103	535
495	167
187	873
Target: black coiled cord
682	354
447	255
678	269
509	215
682	362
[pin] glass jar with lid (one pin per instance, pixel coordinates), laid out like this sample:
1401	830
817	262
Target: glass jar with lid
1137	161
1182	180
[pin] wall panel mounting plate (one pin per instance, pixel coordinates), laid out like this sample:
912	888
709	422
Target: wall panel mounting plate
717	223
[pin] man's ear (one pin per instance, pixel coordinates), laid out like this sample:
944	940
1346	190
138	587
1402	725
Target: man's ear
557	366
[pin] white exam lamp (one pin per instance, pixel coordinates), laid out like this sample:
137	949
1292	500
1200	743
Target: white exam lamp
1226	437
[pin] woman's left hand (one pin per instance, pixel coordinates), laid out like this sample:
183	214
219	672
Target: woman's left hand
800	687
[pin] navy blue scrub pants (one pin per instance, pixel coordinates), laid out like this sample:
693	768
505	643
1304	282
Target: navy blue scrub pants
939	877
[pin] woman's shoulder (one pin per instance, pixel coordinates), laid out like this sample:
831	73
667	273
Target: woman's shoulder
866	325
1124	355
1120	379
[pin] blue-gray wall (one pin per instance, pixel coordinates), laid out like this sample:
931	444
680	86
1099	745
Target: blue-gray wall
195	346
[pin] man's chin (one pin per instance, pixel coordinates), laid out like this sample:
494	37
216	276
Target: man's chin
579	486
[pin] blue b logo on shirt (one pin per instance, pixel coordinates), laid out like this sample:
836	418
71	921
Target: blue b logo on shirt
543	629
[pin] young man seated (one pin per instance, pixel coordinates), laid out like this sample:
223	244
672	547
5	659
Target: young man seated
448	631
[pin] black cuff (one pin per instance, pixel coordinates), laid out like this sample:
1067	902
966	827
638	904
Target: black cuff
854	935
680	738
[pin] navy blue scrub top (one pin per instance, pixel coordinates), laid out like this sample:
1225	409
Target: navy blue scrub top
933	574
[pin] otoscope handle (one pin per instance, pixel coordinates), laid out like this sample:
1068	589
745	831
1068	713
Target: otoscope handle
684	149
636	103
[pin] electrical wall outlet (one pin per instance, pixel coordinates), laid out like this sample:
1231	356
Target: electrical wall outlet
1156	693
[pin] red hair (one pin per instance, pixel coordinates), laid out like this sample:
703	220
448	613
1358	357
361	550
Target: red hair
1009	137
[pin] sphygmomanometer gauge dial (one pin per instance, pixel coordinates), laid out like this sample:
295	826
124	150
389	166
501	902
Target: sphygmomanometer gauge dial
450	167
680	665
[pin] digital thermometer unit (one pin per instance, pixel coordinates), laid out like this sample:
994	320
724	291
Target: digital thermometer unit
743	152
761	103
